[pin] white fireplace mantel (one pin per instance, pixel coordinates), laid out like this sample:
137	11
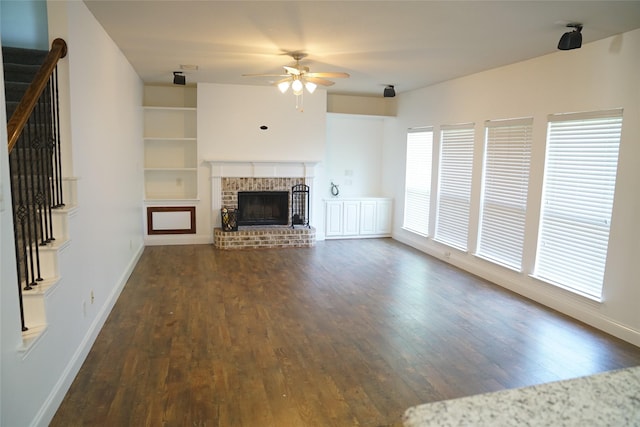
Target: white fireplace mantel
255	169
261	169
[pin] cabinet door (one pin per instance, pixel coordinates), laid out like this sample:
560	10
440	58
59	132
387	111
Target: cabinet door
383	217
368	223
351	216
333	219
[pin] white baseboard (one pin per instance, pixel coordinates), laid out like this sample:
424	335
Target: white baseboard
177	239
553	297
53	401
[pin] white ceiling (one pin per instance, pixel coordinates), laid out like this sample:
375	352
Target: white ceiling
410	44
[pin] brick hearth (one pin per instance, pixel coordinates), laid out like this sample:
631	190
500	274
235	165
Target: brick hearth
255	237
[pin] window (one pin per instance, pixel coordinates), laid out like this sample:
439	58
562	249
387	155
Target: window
504	191
417	195
454	185
579	183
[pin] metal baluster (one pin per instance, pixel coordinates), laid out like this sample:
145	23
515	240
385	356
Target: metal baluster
57	163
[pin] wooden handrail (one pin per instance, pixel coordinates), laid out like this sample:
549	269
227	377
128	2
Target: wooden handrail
28	102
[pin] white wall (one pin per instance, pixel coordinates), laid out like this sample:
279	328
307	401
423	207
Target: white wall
106	231
229	121
9	313
599	76
354	155
24	24
230	116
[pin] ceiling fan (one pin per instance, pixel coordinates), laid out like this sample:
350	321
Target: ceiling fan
298	77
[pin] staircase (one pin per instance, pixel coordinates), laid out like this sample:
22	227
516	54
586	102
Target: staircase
20	67
37	191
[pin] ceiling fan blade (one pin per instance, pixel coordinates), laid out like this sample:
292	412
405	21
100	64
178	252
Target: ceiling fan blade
286	79
264	75
318	81
329	75
292	70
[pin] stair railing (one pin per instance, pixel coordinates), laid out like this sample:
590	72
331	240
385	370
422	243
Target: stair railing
36	170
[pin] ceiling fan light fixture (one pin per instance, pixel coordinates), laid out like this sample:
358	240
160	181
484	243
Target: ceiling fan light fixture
297	87
310	86
298	77
283	86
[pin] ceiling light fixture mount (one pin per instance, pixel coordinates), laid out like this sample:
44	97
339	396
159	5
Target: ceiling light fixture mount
571	39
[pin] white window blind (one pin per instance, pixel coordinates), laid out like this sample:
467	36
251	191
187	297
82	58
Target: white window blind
579	183
454	185
418	181
504	191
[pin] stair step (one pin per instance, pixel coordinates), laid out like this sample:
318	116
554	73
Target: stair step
17	55
11	107
19	72
34	304
15	90
20	66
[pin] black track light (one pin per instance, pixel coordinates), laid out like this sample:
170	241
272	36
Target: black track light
572	39
179	78
389	91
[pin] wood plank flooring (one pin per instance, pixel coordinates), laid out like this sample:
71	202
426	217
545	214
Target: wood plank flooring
349	333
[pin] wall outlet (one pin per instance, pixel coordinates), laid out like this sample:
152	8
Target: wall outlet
92	297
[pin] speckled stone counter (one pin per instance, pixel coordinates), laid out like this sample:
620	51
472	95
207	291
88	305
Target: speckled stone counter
607	399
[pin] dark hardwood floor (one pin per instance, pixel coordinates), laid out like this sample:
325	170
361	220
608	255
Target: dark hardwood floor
351	332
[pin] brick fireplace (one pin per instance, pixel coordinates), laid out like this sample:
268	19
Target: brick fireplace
229	178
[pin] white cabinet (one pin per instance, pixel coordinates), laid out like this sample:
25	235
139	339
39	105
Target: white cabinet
170	145
333	218
351	218
368	217
358	217
384	208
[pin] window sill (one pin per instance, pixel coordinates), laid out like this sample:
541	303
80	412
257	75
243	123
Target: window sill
573	291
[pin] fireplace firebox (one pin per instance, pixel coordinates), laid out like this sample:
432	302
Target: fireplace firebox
263	207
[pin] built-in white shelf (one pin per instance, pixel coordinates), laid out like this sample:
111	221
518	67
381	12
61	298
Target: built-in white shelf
170	145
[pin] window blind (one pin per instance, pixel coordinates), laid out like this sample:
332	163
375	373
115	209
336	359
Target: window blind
504	191
418	180
579	184
454	185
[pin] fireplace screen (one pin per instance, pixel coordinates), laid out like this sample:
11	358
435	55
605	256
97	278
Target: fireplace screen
263	207
300	205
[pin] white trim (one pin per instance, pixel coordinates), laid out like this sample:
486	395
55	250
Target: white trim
256	169
259	169
580	308
59	390
179	239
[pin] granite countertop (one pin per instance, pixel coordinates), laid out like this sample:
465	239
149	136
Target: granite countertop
607	399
